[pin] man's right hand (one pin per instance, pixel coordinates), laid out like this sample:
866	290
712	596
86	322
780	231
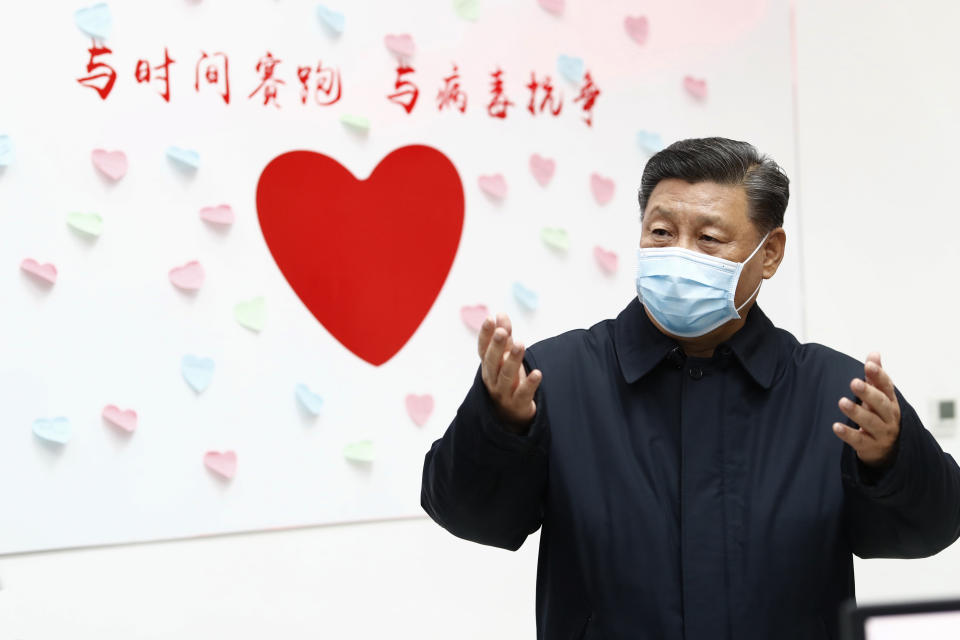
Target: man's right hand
510	386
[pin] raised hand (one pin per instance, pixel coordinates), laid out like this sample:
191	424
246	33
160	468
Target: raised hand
878	416
510	386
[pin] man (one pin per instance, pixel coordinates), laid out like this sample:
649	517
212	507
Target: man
697	472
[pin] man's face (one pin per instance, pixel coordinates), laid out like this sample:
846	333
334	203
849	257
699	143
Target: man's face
710	218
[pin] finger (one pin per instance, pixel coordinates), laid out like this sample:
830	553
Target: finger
486	333
867	420
493	357
503	320
528	387
508	372
874	398
852	437
877	376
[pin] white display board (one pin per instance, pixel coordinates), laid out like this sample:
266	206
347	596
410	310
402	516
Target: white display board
114	330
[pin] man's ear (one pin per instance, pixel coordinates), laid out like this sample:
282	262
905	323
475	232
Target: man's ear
773	250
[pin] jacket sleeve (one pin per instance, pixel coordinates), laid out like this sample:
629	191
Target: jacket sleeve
480	481
912	508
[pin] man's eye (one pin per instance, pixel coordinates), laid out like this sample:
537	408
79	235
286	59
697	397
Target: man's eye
707	238
660	232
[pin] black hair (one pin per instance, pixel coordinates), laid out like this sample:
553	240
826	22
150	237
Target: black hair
723	161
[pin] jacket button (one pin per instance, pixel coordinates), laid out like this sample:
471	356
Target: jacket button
696	373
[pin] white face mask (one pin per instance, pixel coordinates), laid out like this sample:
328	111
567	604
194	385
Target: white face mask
690	293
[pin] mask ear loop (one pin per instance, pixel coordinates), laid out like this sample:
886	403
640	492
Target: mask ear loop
757	290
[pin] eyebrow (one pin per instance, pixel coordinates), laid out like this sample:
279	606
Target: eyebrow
701	218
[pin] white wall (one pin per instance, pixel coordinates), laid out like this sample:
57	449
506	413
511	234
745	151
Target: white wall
877	115
878	136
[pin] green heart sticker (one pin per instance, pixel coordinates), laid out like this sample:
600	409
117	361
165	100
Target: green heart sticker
357	122
89	223
555	238
252	313
361	451
467	9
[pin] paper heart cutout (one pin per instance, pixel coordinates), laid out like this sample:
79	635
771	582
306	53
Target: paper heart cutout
112	164
494	186
637	28
94	21
361	451
474	316
222	463
607	260
309	400
648	141
357	252
359	123
467	9
696	87
542	169
553	6
602	188
526	297
419	408
55	430
6	151
251	313
333	20
197	371
555	238
220	214
88	223
188	277
401	45
185	158
46	272
571	68
126	420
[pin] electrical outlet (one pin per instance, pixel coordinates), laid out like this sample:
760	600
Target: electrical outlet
944	412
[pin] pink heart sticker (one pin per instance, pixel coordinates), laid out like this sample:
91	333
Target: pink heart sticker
112	164
401	45
474	316
602	188
224	464
189	277
221	214
606	259
126	420
637	28
419	408
553	6
46	272
696	87
495	186
542	168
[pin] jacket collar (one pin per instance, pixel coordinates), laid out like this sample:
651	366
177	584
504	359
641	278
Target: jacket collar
640	346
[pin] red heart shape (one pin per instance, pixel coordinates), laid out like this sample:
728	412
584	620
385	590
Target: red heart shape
367	257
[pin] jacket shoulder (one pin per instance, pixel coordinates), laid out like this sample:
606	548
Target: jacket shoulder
574	345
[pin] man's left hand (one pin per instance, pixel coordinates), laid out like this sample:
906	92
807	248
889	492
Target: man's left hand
878	416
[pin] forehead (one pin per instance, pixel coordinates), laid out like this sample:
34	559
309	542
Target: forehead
677	198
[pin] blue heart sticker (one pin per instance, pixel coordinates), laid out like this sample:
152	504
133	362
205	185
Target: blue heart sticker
309	400
56	430
6	151
570	68
649	141
187	158
526	297
198	372
334	20
95	21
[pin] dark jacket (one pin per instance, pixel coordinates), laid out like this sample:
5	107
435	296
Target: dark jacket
681	497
